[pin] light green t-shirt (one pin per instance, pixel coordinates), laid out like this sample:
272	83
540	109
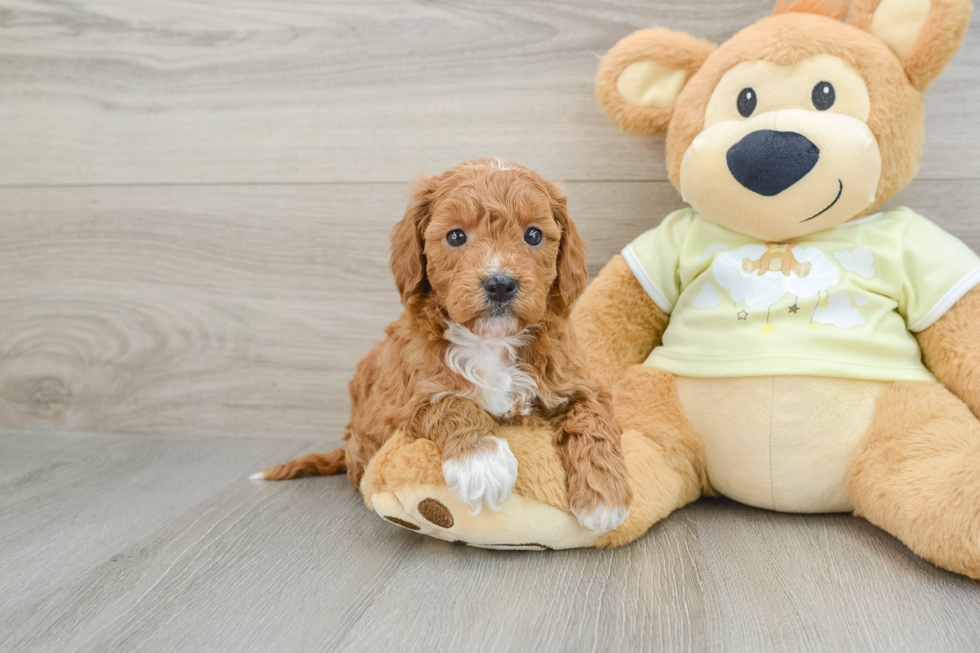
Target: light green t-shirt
840	302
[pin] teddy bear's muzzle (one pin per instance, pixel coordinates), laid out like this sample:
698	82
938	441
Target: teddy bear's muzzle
768	162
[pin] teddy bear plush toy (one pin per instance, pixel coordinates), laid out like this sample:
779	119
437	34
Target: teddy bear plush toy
783	341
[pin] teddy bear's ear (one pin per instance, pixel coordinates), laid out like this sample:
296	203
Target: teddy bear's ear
640	79
925	34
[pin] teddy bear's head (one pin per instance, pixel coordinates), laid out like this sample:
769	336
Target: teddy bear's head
801	121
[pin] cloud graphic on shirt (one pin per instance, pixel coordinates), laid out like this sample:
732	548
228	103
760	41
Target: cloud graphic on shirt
839	312
708	298
709	250
759	291
823	273
860	300
858	260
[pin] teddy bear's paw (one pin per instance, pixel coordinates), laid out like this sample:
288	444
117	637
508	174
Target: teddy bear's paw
415	515
519	524
482	477
603	519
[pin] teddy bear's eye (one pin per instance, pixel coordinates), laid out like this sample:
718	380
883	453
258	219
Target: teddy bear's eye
747	100
824	96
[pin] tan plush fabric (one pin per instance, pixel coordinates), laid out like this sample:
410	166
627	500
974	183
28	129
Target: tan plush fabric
667	463
664	458
651	91
403	483
897	23
781	442
895	83
897	116
617	320
519	524
404	461
917	474
648	84
925	51
951	349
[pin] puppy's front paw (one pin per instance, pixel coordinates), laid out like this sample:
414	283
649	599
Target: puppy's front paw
486	475
602	519
599	497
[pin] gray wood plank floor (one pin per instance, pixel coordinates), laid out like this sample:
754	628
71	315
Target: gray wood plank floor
195	197
118	543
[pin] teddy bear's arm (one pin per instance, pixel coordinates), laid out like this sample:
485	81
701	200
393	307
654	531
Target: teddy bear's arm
951	349
617	322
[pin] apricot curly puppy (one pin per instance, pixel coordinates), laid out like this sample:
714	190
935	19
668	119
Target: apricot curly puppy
488	265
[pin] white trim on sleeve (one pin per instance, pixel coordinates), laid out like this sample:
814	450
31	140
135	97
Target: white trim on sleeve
866	218
968	283
648	285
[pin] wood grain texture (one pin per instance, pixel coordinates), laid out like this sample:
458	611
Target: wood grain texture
239	310
195	199
115	543
116	91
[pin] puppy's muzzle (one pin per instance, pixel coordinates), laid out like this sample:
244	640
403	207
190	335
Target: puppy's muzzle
500	288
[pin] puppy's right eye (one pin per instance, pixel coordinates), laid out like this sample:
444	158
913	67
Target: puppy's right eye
456	237
747	100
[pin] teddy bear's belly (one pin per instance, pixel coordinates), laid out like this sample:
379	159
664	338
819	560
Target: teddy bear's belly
781	442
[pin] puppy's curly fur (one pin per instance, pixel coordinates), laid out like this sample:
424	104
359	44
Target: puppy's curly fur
455	364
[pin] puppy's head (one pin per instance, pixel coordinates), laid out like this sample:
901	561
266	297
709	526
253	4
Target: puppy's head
490	242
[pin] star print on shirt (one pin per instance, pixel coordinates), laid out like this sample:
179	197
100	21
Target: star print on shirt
794	309
768	329
743	315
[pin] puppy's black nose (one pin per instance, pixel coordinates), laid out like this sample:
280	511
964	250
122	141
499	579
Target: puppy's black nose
500	288
768	162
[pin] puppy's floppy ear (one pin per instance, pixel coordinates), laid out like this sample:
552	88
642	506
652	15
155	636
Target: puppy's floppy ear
925	34
408	243
573	273
640	79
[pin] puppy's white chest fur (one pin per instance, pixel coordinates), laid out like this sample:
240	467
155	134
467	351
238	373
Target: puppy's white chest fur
500	384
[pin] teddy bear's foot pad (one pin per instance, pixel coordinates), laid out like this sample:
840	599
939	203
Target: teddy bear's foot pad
518	525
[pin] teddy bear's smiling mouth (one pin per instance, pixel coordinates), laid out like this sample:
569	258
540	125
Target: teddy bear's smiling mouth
839	192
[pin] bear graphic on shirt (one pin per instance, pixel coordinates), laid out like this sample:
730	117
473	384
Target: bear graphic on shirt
761	275
779	257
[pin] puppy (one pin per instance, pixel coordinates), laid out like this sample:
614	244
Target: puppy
488	265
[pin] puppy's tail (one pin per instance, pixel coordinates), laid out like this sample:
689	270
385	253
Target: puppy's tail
314	464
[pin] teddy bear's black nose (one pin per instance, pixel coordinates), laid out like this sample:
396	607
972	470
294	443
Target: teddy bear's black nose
768	162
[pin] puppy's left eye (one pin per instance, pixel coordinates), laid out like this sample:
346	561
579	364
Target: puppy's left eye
456	237
533	236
